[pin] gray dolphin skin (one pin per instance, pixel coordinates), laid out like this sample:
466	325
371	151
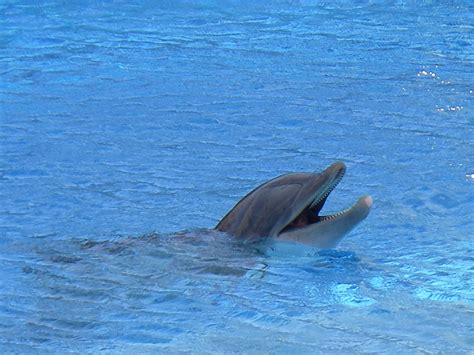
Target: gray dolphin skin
287	208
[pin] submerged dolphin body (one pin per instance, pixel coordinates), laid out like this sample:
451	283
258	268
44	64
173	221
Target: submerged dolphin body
287	208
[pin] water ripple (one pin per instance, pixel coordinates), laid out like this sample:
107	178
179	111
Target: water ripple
124	119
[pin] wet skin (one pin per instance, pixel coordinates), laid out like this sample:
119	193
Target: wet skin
288	208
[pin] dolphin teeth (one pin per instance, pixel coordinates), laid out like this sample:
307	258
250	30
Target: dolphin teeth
329	190
334	215
322	197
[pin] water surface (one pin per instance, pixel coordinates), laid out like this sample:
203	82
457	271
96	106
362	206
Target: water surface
122	125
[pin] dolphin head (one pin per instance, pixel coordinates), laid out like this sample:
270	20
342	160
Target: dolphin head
288	208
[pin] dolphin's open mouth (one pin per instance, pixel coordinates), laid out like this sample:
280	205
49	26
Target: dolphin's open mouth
311	213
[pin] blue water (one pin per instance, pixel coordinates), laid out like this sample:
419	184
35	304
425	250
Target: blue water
124	124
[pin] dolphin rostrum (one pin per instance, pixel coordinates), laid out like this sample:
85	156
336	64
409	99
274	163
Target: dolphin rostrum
288	207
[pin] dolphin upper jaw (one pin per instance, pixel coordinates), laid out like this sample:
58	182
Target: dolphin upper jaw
288	208
302	203
315	191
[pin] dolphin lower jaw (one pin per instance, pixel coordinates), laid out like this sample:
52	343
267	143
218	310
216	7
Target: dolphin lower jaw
329	230
362	207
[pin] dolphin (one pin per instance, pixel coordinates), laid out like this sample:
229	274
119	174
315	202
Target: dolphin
288	208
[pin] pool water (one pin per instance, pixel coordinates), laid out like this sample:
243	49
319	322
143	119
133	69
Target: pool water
128	130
